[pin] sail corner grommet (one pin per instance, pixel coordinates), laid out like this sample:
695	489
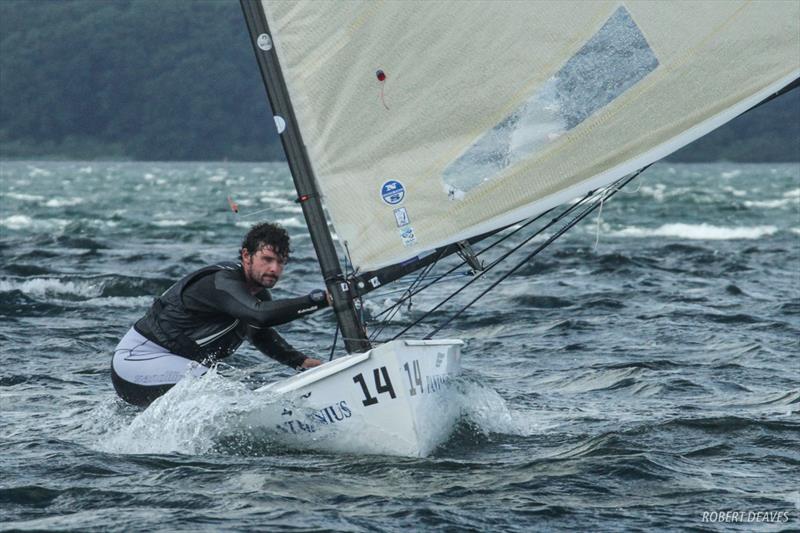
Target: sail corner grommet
264	42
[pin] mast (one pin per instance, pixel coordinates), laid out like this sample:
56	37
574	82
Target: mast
308	195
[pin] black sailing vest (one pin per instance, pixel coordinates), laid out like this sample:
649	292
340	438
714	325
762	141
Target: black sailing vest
201	336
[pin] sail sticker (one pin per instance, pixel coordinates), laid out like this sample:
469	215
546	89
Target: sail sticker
264	42
280	124
401	217
407	235
393	192
612	61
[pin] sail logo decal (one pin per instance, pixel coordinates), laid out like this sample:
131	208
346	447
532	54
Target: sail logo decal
407	236
393	192
401	217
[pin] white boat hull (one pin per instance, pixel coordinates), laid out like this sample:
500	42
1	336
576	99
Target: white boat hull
396	399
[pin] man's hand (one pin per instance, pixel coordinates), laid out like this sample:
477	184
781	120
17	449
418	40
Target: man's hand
310	362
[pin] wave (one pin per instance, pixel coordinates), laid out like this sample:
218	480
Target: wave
36	171
541	302
24	222
170	223
46	287
698	232
730	174
600	379
773	204
724	424
63	202
22	197
487	412
117	291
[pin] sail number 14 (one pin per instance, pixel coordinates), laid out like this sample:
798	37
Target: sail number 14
383	384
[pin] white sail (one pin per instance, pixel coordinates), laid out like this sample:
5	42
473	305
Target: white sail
430	122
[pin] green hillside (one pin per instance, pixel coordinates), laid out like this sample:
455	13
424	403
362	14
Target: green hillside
177	80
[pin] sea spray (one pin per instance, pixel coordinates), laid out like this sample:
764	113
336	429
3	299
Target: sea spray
188	419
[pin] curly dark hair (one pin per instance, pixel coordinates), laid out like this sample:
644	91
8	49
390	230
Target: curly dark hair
267	234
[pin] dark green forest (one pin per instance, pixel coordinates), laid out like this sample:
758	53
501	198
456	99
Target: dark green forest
177	80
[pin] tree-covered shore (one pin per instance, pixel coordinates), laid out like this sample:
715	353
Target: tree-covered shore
155	80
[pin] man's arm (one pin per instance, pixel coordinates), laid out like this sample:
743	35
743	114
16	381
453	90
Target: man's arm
270	343
225	292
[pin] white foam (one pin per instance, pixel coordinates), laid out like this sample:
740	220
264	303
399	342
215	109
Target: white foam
730	174
735	192
291	222
19	222
772	204
489	412
47	287
36	172
24	197
170	223
698	232
272	200
656	192
63	202
794	193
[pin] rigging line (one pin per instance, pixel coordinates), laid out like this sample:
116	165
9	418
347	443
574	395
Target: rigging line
411	294
404	288
599	220
637	189
560	216
615	188
396	306
360	309
463	262
335	338
424	272
254	213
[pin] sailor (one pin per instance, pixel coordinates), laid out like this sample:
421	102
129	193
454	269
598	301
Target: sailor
206	315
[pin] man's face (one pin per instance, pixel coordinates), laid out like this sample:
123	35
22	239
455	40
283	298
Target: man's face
262	268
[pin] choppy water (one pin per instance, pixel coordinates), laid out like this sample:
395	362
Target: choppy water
637	385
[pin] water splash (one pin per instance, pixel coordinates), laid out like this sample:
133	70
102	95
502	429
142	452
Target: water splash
189	419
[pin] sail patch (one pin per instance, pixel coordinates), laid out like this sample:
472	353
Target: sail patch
611	62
